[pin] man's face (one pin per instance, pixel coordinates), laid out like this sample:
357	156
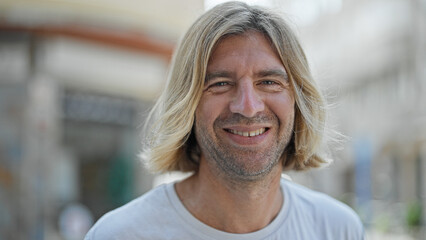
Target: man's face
245	116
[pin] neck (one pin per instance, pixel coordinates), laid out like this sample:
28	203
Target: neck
231	205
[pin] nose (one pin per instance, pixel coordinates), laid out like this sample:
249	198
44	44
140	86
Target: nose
247	102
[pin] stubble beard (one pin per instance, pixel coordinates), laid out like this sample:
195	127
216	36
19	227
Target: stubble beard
243	164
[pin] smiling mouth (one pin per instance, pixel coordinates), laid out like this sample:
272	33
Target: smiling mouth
248	134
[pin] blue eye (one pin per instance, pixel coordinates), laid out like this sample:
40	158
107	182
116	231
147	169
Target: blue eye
220	84
270	85
268	82
219	87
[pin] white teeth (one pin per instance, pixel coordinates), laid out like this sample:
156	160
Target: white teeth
251	133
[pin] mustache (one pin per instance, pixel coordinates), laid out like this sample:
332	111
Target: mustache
236	118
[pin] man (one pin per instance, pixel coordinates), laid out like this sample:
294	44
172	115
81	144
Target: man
239	108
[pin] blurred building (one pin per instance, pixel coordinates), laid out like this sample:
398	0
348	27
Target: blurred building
370	56
76	80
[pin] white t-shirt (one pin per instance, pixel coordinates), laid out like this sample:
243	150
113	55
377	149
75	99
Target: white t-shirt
159	214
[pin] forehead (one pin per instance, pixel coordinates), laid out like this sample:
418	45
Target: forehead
251	47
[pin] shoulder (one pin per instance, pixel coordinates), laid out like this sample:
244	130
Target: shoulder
317	202
131	220
330	216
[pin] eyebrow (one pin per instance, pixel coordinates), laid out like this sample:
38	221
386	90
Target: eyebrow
263	73
272	73
219	74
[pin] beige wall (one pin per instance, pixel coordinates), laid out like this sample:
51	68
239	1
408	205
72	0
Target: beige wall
165	18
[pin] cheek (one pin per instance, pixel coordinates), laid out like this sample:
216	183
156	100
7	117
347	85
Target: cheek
283	107
209	109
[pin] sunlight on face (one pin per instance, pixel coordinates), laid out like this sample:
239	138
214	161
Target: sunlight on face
244	119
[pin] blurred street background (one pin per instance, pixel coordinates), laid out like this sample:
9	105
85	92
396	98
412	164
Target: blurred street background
77	78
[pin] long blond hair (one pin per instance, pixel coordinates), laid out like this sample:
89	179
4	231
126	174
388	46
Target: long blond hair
170	144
